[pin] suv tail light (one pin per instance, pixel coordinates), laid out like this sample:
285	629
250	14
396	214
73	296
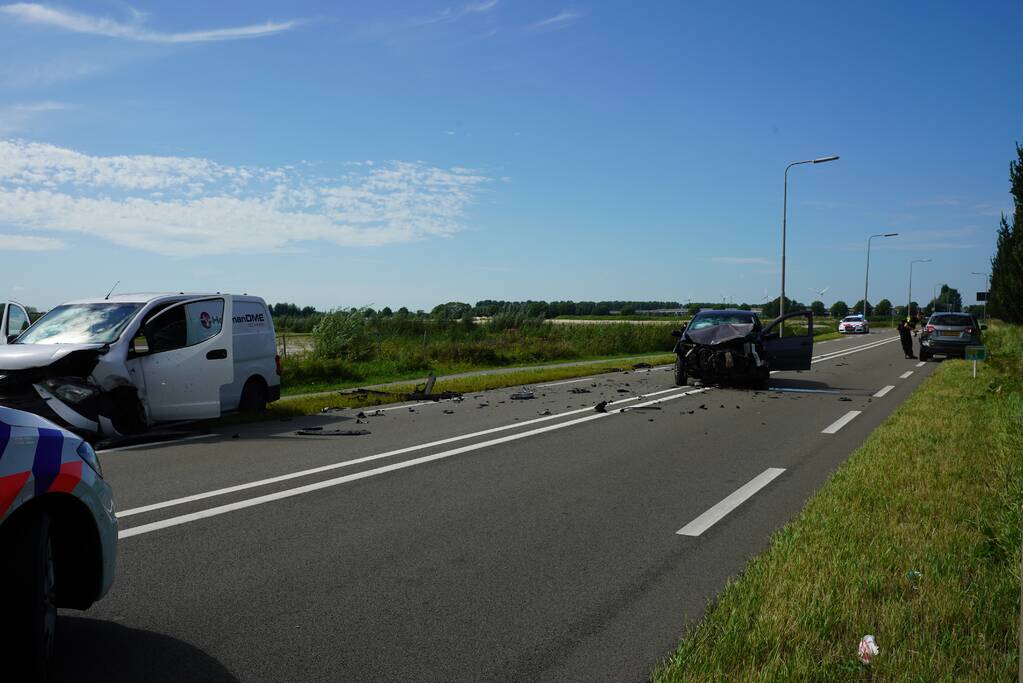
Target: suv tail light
930	328
277	362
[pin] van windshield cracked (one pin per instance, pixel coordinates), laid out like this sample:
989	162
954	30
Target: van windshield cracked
81	324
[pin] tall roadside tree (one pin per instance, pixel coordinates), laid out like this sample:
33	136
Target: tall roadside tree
1006	295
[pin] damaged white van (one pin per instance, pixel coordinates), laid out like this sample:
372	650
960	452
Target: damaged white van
121	364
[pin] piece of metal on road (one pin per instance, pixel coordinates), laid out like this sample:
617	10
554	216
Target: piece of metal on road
737	498
804	391
841	422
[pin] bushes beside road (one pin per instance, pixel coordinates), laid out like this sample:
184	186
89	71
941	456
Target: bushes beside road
937	489
403	349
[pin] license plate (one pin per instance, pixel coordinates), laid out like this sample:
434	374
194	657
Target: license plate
949	333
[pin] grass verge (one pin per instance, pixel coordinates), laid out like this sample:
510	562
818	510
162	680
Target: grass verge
307	405
937	489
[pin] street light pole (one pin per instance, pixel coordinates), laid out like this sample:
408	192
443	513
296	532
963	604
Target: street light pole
784	219
866	279
909	302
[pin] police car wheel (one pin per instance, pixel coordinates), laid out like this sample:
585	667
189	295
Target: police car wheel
30	600
253	398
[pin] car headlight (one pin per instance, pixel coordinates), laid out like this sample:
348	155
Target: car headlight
71	393
86	453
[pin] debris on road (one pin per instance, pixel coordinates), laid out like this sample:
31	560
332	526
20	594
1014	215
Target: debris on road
647	408
868	649
320	431
844	398
579	390
622	391
601	407
523	394
703	406
545	412
425	393
641	366
449	412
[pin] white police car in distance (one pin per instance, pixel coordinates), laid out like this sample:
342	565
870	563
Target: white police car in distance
58	536
854	324
121	364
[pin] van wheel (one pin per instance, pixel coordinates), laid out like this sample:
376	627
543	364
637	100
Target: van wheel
29	595
253	397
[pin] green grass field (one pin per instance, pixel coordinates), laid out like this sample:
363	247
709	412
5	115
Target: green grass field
937	489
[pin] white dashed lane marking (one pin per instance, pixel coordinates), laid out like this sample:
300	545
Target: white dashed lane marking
841	422
884	390
740	496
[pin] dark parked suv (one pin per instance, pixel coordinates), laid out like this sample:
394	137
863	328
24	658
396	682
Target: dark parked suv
949	334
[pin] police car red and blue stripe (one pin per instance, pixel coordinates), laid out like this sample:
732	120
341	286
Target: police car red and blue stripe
58	534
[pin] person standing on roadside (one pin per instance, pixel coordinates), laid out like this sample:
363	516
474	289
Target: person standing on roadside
906	338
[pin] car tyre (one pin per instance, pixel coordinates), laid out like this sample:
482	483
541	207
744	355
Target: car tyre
681	379
254	399
30	600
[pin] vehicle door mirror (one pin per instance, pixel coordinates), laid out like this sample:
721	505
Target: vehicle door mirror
676	333
11	338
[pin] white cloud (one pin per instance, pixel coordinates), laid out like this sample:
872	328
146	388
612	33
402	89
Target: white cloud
484	6
33	13
558	21
29	243
741	260
192	206
16	117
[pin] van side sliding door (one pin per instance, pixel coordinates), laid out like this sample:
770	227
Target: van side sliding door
187	359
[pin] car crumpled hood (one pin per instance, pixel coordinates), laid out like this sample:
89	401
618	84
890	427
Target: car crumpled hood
25	356
719	334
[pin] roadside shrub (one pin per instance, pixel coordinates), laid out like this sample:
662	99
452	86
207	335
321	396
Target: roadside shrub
342	335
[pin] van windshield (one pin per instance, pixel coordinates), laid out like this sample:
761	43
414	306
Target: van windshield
81	324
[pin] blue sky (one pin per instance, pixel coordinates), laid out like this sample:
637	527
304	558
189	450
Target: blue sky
346	154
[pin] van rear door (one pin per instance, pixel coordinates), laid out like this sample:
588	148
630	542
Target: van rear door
188	359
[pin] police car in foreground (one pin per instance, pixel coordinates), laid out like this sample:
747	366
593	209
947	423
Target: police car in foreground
58	536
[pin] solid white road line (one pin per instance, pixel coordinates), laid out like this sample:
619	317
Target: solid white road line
841	422
921	364
308	488
369	458
741	495
884	390
854	349
567	381
906	374
157	443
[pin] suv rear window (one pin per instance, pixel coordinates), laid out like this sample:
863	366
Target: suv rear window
951	320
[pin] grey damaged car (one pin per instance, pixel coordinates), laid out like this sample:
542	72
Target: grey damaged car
733	347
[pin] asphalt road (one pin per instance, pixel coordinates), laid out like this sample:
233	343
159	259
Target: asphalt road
491	542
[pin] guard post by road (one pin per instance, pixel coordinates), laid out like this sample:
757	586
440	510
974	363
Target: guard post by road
976	353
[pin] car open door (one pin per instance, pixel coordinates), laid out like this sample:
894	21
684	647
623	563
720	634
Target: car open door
793	351
187	359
